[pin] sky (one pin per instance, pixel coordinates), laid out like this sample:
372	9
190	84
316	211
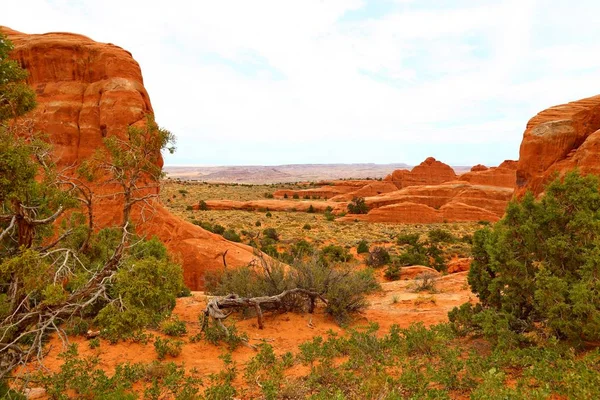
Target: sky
268	82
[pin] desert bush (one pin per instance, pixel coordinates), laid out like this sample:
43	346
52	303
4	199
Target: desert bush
311	209
257	223
167	347
392	272
358	206
285	195
269	195
307	227
440	236
334	253
362	247
425	282
408	239
202	206
378	257
173	327
232	235
218	229
329	216
271	233
295	196
536	268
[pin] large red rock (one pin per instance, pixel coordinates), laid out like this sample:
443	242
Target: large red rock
504	175
87	91
557	140
455	201
429	172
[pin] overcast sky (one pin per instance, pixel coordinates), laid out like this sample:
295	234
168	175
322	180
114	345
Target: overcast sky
342	81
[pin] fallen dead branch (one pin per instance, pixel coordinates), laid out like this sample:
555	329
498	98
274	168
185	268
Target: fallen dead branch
281	302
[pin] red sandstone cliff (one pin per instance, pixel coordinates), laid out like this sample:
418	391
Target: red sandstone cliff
87	91
559	139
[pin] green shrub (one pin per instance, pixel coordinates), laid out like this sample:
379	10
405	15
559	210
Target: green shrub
408	239
268	214
425	282
392	272
269	195
334	253
173	327
358	206
94	343
218	229
329	216
537	268
307	227
232	235
285	195
362	247
202	206
295	196
440	236
167	347
311	209
271	233
257	223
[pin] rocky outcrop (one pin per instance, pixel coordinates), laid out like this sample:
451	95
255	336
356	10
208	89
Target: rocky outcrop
504	175
429	172
559	139
324	189
449	202
87	91
371	189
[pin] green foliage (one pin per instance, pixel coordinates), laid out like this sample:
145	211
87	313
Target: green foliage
358	206
167	347
202	206
218	229
16	97
214	334
307	227
537	268
440	236
311	209
333	253
408	239
271	233
378	257
362	247
173	327
232	235
329	216
295	196
392	272
145	296
94	343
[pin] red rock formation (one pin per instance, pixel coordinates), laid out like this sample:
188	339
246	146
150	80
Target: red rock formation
503	175
479	167
459	265
451	202
325	189
429	172
557	140
373	188
87	91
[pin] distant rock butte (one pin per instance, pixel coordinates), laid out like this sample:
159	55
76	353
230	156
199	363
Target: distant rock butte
504	175
429	172
87	91
559	139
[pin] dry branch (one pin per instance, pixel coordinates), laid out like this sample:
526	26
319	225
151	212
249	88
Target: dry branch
216	306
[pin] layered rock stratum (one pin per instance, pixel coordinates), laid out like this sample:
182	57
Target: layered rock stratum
87	91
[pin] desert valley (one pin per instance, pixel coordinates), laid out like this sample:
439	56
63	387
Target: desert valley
121	279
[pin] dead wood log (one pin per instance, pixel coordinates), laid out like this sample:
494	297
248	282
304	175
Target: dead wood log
216	305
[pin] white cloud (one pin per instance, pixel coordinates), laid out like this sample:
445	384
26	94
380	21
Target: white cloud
296	72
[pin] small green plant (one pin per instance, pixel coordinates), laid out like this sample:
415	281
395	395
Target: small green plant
269	195
362	247
232	235
173	327
295	196
392	272
268	214
94	343
202	206
358	206
425	282
307	227
257	223
285	195
271	233
167	347
311	209
218	229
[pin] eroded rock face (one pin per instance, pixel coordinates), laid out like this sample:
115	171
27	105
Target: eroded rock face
429	172
87	91
557	140
504	175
